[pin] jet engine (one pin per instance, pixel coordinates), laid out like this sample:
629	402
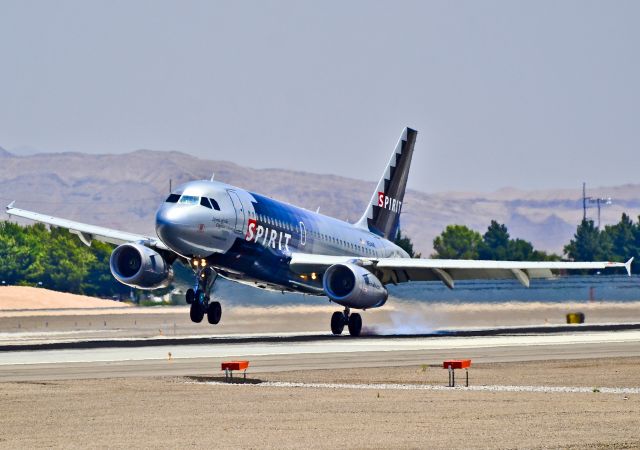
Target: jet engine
141	267
353	286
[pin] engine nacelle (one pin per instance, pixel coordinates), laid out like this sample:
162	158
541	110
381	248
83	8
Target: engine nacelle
141	267
353	286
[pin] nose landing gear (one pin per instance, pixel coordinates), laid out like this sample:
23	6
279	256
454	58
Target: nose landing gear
200	299
352	321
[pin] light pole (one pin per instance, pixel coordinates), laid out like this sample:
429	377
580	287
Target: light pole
598	201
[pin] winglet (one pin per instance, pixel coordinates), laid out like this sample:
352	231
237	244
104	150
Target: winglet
627	266
10	205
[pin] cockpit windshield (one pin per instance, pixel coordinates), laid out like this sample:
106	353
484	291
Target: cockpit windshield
193	200
204	201
173	198
214	204
189	200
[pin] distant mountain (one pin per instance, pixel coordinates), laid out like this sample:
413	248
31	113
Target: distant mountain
25	150
4	153
124	190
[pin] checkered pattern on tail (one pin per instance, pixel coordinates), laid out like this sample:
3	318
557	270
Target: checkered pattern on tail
382	216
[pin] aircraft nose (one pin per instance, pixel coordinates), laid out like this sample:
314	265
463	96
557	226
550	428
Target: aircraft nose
168	225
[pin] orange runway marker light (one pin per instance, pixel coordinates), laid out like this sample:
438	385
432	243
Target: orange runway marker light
452	365
457	364
235	365
230	366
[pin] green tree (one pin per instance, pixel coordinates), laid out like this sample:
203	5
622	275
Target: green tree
636	243
622	237
495	243
404	242
15	254
589	244
457	242
31	255
63	264
521	250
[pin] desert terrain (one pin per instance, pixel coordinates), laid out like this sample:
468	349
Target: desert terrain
201	412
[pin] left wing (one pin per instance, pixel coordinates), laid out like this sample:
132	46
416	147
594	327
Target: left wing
400	270
87	232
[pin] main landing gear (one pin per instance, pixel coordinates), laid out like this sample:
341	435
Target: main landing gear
340	319
200	298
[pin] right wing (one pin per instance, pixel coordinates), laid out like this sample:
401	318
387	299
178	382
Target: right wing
87	232
400	270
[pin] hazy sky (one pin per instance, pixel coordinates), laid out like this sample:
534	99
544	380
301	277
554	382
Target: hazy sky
504	93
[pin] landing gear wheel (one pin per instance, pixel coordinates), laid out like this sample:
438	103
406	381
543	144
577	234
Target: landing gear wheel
337	323
355	324
199	297
214	313
191	295
196	312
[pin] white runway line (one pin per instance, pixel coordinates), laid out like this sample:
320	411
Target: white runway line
429	387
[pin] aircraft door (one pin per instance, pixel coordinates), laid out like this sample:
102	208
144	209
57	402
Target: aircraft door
303	234
240	212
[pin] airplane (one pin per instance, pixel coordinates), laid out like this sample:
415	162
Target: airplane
222	230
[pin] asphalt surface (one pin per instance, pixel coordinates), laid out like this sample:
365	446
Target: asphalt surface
56	341
265	355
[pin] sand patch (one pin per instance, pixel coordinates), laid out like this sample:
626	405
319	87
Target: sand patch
29	298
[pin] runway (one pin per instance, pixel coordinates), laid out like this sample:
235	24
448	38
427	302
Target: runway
204	359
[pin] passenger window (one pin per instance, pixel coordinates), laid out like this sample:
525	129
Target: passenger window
173	198
214	204
204	201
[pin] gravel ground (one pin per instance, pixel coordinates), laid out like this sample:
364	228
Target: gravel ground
183	412
590	373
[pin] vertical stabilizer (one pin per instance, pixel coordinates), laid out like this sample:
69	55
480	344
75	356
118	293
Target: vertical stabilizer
382	216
